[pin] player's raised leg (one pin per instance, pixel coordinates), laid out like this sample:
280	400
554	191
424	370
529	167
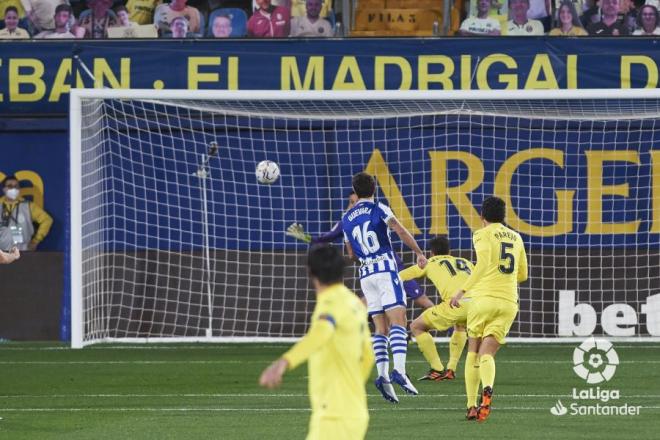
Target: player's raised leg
420	330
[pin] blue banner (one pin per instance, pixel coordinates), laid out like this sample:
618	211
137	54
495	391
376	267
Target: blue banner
567	183
37	81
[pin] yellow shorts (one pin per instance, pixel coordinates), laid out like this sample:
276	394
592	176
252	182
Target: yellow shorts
333	428
442	316
488	316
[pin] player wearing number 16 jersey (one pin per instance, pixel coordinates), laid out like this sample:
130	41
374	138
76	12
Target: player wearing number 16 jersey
412	289
501	266
366	228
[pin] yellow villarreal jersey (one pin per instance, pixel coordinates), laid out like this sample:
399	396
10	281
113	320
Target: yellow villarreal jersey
142	11
501	263
336	378
447	273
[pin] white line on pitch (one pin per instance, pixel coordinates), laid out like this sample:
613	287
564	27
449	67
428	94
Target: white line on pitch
264	346
243	395
192	409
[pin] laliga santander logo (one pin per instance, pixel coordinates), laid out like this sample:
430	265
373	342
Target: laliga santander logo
595	360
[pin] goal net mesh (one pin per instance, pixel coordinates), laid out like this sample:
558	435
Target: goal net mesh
578	177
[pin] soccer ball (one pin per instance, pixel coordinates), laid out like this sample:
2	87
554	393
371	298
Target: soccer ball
267	172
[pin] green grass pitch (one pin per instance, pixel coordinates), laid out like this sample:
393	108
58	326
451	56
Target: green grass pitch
209	391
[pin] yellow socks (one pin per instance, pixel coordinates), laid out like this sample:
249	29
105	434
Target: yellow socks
456	344
472	378
487	370
427	347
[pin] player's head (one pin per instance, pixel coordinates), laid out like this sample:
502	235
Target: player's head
493	210
10	187
364	185
325	264
439	245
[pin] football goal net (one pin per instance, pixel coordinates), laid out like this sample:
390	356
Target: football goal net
173	238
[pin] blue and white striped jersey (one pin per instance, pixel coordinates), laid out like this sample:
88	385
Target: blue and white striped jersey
365	228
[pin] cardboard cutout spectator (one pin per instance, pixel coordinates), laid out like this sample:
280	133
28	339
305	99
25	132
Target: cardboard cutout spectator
11	30
178	8
40	13
519	24
123	17
62	20
481	24
609	23
311	25
97	19
648	21
568	22
269	21
142	11
221	27
179	27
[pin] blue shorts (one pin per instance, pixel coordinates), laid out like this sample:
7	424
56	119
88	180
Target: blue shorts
413	289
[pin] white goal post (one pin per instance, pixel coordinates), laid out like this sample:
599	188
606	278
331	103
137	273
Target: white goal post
171	242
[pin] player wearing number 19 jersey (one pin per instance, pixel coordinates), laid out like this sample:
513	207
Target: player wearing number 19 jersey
366	228
501	266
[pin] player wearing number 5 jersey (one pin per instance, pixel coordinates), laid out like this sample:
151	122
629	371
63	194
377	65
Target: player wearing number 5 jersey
501	266
366	228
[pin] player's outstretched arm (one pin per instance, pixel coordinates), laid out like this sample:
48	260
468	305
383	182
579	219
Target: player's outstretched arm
297	231
318	335
412	273
408	239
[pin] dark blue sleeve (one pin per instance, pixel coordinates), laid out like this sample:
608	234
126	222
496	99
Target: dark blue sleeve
329	236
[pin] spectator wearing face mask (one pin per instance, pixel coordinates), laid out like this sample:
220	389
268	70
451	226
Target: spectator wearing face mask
19	217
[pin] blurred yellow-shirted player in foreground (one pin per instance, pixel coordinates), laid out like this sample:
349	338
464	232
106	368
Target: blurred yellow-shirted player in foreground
448	274
338	350
493	285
